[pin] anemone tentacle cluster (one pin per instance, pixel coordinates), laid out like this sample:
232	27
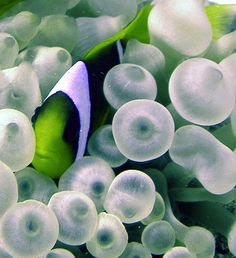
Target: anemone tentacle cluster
131	157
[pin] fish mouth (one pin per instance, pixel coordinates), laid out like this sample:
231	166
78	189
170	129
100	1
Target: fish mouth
45	155
48	163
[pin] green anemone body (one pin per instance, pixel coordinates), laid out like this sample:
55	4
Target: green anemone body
56	126
222	19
